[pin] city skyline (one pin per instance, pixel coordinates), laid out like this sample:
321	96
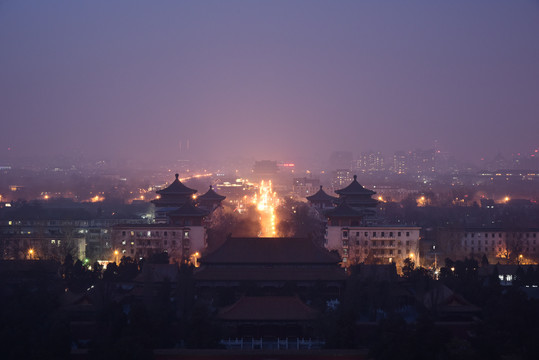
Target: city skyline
269	80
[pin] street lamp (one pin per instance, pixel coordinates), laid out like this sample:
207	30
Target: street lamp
31	253
116	256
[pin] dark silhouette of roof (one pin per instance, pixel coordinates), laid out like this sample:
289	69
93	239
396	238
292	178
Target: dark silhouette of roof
343	210
188	209
269	251
355	188
270	273
268	308
176	188
321	196
211	195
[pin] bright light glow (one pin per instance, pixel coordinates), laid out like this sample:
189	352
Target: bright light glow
266	201
95	199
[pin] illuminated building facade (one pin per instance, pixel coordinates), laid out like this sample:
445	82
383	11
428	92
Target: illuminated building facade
142	241
43	239
373	244
503	246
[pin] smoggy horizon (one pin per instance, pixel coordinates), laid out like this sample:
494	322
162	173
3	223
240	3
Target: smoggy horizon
276	80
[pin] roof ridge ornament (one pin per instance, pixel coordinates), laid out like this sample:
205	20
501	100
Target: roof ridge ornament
177	176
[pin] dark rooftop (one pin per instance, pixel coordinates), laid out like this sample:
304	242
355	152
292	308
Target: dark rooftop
355	188
269	273
211	195
176	188
321	196
188	209
269	308
269	251
343	210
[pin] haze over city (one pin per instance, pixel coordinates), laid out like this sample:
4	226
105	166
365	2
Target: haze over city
305	179
267	80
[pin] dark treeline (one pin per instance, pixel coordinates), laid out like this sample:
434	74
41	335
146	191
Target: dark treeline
380	313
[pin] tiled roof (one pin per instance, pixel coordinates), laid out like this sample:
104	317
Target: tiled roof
268	308
321	195
176	188
269	251
188	209
270	273
343	210
211	195
355	188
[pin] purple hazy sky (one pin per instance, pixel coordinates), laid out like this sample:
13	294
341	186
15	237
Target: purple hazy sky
268	79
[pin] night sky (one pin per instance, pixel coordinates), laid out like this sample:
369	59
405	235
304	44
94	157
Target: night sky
268	79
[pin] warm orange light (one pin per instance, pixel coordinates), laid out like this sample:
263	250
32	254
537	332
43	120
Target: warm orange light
266	201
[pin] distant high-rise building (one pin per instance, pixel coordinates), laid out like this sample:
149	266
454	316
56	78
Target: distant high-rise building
341	177
400	162
423	161
418	162
370	162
